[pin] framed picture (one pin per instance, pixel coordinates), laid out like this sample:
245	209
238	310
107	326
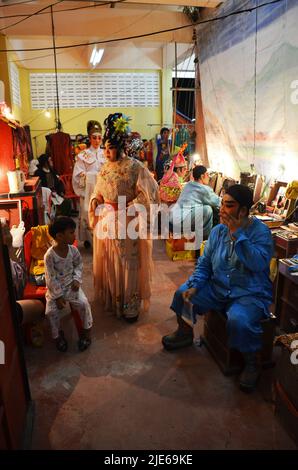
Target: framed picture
281	204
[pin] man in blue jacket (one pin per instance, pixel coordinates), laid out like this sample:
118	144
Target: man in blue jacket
232	275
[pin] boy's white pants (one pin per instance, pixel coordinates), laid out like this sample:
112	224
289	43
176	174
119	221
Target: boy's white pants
78	301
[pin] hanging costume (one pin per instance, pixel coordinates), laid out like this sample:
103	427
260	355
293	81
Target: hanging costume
59	147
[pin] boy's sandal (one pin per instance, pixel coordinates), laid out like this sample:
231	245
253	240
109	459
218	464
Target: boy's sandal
61	343
84	343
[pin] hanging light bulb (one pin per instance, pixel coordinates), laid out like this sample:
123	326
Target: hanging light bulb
47	113
6	111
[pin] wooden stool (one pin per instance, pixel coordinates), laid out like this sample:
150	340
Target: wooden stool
231	361
286	391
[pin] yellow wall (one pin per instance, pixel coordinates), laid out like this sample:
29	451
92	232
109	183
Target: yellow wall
74	120
4	74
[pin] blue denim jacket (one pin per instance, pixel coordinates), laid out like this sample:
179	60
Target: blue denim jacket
237	268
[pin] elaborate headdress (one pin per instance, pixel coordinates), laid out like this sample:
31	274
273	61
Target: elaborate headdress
170	185
134	145
117	130
179	160
93	127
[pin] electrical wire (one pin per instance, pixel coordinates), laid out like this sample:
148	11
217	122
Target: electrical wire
61	52
154	33
61	10
17	3
30	16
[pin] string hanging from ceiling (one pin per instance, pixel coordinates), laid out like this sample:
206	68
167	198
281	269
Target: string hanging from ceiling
57	107
255	86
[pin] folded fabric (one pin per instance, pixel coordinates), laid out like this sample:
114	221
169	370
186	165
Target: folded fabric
41	241
293	269
292	190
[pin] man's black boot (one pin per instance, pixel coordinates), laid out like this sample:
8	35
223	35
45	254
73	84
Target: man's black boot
251	372
181	338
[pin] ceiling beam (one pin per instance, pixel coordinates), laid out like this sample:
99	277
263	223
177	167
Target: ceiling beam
182	3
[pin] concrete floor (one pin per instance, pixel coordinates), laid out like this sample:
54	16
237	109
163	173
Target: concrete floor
126	392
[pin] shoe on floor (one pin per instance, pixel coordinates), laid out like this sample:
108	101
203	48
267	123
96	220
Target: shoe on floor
84	344
61	343
131	319
181	338
250	374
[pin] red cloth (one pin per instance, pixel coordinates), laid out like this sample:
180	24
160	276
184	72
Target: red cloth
22	147
61	152
7	162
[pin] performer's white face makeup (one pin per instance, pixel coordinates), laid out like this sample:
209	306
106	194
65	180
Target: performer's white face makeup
95	140
110	151
230	207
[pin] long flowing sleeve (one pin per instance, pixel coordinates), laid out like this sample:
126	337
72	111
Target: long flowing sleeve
255	252
54	286
210	198
77	265
97	196
203	270
147	190
78	171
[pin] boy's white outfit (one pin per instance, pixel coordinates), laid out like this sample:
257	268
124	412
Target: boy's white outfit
60	273
88	161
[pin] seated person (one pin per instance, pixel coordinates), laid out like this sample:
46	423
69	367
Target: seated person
232	275
196	199
33	166
50	179
28	311
172	182
63	267
18	269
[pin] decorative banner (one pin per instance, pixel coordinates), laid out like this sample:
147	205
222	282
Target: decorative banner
249	85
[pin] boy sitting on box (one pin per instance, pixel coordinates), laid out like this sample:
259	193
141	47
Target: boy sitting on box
63	272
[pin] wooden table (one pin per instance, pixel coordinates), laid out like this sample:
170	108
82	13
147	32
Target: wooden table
285	247
286	299
32	205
